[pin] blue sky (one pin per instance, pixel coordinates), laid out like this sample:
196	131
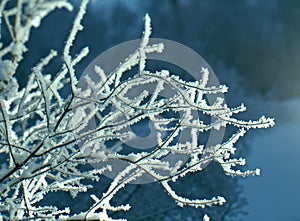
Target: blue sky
275	194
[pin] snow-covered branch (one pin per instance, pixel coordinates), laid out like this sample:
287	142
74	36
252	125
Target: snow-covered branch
45	137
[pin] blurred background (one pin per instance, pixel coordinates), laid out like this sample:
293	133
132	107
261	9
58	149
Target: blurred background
253	46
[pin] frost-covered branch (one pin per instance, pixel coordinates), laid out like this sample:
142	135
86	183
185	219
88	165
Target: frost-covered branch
46	137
